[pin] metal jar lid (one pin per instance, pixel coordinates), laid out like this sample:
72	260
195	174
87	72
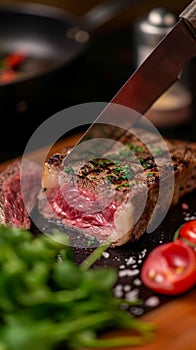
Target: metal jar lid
152	28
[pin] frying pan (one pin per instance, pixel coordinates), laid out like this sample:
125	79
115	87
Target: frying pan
50	35
55	43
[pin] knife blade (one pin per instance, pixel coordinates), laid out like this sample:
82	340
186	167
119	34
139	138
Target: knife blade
153	77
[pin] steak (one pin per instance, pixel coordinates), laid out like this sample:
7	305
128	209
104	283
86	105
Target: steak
113	197
15	205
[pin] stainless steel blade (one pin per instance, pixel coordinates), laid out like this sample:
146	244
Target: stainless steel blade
157	73
160	70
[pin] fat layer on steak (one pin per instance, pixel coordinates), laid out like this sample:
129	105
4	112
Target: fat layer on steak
113	197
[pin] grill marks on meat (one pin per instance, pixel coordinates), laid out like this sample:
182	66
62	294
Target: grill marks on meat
14	205
132	176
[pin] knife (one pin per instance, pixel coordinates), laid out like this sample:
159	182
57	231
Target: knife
153	77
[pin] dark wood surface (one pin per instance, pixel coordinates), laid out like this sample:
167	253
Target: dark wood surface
175	326
174	321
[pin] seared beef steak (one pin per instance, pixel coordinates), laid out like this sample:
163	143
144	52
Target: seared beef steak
14	205
113	197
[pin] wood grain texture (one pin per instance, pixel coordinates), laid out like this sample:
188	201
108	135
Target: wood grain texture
175	321
175	326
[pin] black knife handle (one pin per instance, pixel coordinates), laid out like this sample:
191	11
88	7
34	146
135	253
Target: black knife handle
189	15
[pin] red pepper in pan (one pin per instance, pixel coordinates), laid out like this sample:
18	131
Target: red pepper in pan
13	60
7	75
9	67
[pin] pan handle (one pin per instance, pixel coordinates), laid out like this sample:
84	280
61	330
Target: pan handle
189	15
102	13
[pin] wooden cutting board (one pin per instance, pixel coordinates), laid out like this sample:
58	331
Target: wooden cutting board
175	320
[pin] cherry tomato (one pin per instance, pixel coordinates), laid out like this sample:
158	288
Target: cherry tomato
188	231
170	268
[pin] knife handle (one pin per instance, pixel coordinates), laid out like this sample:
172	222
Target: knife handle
189	15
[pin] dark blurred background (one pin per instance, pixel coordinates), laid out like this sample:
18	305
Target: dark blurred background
108	63
140	8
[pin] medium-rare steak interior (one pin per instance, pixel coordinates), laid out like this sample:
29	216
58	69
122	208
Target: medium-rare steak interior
113	197
15	205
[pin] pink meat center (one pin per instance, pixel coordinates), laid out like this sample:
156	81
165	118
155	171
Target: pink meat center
80	207
14	206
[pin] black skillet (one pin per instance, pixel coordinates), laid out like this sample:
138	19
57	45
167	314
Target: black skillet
49	35
54	43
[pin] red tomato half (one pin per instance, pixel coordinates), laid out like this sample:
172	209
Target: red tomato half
188	231
170	268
